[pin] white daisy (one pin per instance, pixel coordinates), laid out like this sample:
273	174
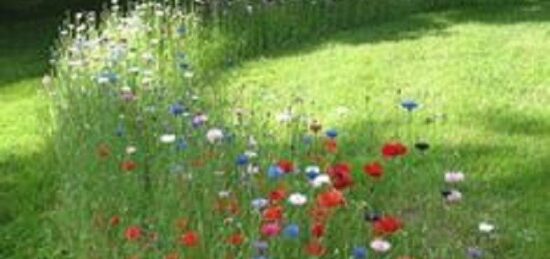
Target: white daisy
214	135
320	181
454	196
454	177
380	245
168	138
297	199
131	150
485	227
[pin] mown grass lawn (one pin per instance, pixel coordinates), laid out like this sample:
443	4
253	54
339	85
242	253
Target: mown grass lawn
24	53
482	77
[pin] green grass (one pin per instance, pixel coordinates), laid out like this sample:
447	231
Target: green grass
486	70
24	179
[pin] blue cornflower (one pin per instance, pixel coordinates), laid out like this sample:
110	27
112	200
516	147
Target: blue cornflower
181	144
292	231
308	139
120	130
242	160
360	253
312	172
409	105
332	133
182	30
177	109
261	247
108	77
274	172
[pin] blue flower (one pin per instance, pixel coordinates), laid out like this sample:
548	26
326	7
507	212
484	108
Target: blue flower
261	247
360	253
242	160
409	105
292	231
109	77
308	139
182	30
120	130
332	133
177	109
312	172
181	144
274	172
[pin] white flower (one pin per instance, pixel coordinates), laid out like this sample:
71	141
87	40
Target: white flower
214	135
46	80
224	194
131	150
259	203
342	111
284	117
252	143
380	245
454	196
297	199
250	154
252	169
485	227
454	177
320	181
168	138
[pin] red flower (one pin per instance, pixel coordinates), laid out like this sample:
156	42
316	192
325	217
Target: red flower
387	225
133	233
115	220
318	230
314	248
331	146
340	175
236	239
190	239
274	213
374	169
277	195
286	166
392	150
128	165
330	199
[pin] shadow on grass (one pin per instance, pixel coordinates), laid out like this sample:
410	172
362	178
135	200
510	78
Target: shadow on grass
25	48
414	26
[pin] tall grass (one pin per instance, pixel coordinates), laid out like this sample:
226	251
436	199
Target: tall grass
131	94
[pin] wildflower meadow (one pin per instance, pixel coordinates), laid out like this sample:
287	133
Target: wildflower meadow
293	129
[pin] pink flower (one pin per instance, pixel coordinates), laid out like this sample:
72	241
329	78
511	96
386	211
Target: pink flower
271	229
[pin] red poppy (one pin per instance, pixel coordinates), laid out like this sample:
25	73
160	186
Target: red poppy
190	239
274	213
392	150
128	165
374	169
103	151
331	146
115	220
286	166
330	199
318	230
133	233
236	239
277	195
314	248
387	225
340	175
